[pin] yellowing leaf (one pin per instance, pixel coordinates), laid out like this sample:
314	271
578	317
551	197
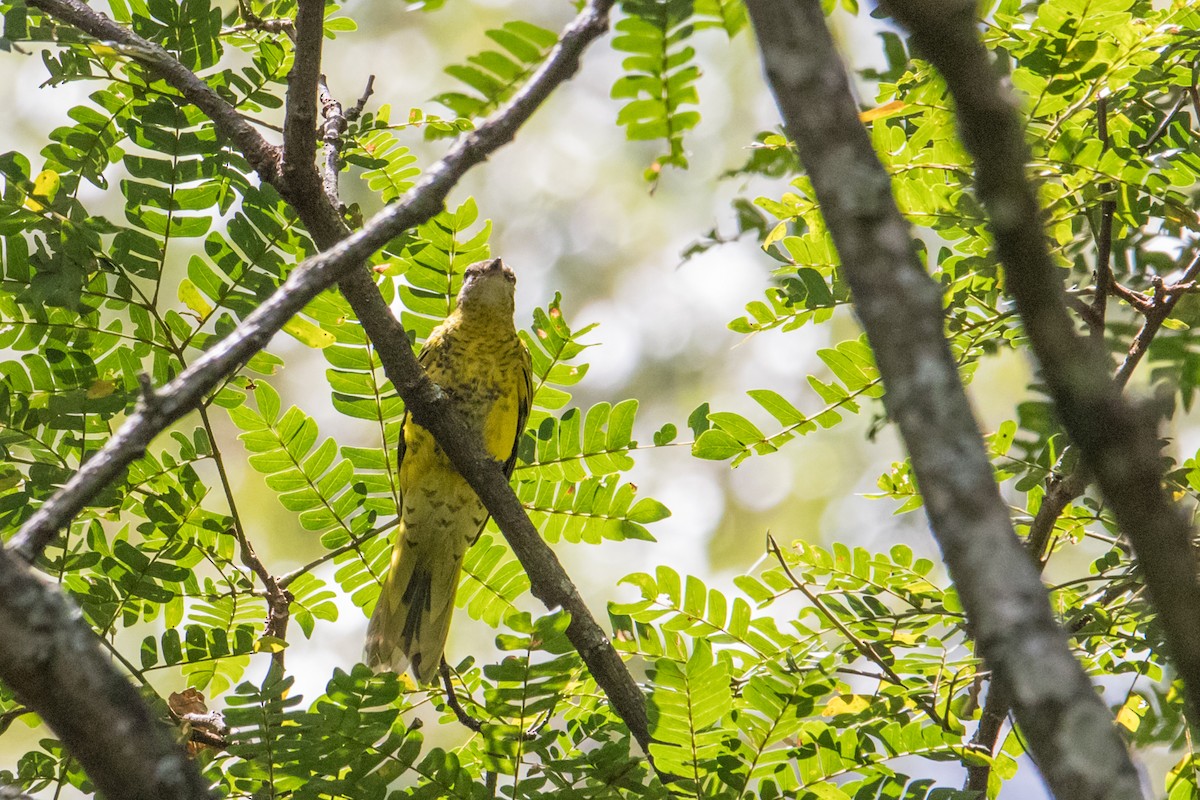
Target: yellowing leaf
885	110
826	791
307	333
104	50
269	644
45	187
846	704
100	388
194	299
777	233
1181	773
1130	715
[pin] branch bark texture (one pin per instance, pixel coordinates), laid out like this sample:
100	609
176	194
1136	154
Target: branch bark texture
300	126
50	658
1068	728
1117	441
341	262
261	154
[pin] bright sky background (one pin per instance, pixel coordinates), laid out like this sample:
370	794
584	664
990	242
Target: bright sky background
573	214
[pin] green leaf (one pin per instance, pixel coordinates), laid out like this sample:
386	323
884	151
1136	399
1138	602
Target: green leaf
659	76
716	445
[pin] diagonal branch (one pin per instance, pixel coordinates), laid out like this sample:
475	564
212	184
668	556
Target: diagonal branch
161	407
1117	441
50	658
261	154
900	307
1062	490
342	263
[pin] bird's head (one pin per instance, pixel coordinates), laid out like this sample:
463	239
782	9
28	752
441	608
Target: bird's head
487	289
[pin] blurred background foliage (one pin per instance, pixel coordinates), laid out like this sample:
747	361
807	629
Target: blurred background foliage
680	293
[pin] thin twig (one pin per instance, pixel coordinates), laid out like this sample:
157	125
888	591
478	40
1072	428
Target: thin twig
862	646
1162	305
13	714
285	580
1136	299
1007	606
1167	119
474	724
460	713
357	111
256	23
277	597
331	136
262	156
341	262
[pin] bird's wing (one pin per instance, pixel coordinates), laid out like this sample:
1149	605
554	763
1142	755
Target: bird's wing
524	402
423	358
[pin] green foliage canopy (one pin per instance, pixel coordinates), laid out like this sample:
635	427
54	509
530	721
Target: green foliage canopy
817	676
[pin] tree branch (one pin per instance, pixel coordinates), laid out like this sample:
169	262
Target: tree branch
864	648
1117	442
256	23
332	128
12	793
51	661
262	155
1063	488
1006	603
341	263
334	124
300	116
10	716
1108	208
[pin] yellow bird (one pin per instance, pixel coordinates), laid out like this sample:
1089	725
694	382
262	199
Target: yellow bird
476	357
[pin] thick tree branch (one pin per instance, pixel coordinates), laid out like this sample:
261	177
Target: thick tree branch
1117	441
1108	208
262	155
1062	489
50	659
10	793
300	115
901	310
341	262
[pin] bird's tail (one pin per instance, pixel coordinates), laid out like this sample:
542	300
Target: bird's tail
412	617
